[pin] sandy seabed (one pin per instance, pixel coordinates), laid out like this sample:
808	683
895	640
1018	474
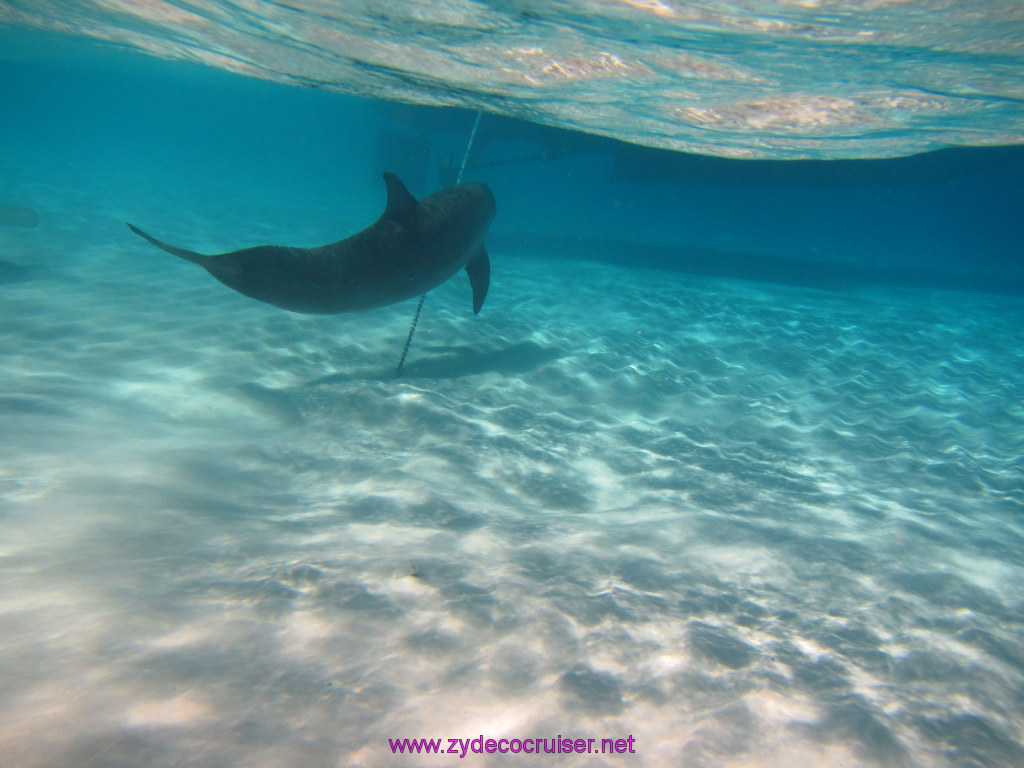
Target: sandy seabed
747	524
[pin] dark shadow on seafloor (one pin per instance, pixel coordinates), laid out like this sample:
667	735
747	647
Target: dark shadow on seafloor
10	272
457	362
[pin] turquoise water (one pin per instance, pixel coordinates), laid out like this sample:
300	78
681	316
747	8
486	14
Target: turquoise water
730	462
784	79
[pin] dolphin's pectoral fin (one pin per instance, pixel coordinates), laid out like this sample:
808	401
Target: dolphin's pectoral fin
401	205
479	270
196	258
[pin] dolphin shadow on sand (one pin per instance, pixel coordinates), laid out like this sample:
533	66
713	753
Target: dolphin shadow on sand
457	362
281	406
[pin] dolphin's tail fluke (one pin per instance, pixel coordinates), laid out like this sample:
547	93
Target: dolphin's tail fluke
195	258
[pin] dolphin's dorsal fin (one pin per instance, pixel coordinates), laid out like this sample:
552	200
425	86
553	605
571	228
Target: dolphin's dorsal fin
401	205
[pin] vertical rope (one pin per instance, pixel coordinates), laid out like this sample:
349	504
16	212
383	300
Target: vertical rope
423	296
469	146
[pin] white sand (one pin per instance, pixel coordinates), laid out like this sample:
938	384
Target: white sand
750	525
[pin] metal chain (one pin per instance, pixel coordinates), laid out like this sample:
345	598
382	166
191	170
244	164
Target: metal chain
412	330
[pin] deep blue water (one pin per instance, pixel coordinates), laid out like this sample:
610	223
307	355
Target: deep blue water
129	120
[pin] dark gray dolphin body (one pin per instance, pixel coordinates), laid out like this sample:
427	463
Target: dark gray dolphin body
414	246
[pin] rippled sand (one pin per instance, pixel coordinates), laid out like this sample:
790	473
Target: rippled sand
748	524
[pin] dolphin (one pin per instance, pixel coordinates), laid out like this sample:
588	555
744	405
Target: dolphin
414	246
